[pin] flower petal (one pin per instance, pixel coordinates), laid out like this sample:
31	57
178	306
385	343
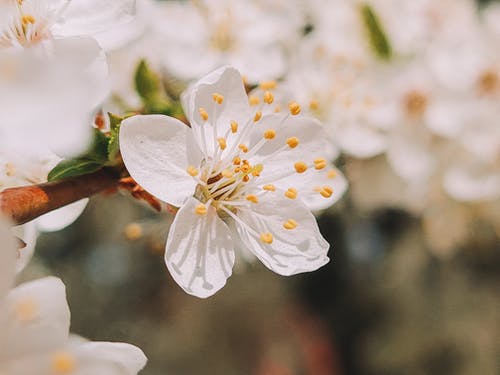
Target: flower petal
7	258
199	252
36	317
154	151
227	82
292	251
62	217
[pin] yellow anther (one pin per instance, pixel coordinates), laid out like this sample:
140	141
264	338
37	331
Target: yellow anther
291	193
300	167
268	85
294	108
292	142
222	143
200	210
266	238
252	198
218	98
258	168
63	363
245	168
227	173
237	160
28	18
290	224
246	178
234	126
243	147
269	187
192	170
258	116
319	163
277	109
253	100
326	191
10	169
313	105
203	113
268	97
26	310
270	134
133	231
332	173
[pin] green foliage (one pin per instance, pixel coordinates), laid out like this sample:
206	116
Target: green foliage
73	167
378	38
149	87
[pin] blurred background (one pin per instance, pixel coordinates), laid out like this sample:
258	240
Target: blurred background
410	94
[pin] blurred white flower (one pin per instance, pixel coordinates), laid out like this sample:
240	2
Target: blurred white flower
241	180
34	334
200	36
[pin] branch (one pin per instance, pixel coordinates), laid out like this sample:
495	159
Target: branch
25	203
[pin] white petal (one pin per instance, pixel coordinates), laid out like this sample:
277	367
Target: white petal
28	233
88	17
37	317
228	82
109	358
471	185
7	258
154	151
302	249
199	252
62	217
360	141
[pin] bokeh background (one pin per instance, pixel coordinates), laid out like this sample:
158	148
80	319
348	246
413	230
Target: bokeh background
408	290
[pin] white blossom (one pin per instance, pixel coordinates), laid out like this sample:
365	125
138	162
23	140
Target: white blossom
241	180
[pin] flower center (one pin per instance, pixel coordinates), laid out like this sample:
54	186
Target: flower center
488	82
222	38
415	103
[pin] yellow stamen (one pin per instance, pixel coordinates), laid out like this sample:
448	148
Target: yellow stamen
269	187
222	143
63	363
332	173
268	97
268	85
28	18
319	163
200	210
253	100
234	126
266	238
290	224
291	193
245	178
300	167
326	191
26	310
237	160
192	170
218	98
258	116
294	108
270	134
313	105
243	148
133	231
277	109
10	170
203	113
292	142
252	198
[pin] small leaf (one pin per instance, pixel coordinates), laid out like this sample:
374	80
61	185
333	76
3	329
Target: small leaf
73	167
114	120
147	82
98	150
114	144
376	33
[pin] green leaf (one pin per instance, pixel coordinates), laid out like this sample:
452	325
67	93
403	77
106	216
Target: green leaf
376	34
73	167
98	150
114	144
114	120
147	82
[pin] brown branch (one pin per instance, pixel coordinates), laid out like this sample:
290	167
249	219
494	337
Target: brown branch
25	203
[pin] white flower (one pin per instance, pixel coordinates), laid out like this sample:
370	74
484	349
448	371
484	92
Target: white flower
204	35
241	181
34	324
